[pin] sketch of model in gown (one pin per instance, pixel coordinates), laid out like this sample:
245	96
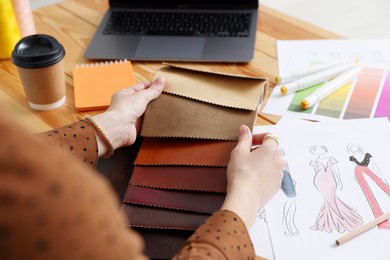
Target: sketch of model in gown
261	215
289	209
334	214
367	168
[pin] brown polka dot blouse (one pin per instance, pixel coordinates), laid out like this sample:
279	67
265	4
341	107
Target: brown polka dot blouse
54	206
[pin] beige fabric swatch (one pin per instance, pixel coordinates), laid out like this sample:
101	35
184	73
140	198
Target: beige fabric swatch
237	91
175	116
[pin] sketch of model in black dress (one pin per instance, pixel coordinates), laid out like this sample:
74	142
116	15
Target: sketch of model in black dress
289	209
366	168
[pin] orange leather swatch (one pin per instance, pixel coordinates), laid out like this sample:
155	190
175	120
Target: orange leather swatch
148	217
207	179
180	151
199	202
175	116
230	90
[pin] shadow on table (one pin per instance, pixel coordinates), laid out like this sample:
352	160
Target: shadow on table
118	168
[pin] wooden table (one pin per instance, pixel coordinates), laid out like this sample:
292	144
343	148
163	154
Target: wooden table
73	23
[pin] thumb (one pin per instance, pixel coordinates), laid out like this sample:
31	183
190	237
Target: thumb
155	89
244	139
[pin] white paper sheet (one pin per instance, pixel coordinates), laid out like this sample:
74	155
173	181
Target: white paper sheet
296	138
260	236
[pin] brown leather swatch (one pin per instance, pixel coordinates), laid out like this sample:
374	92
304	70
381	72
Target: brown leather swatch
175	116
230	90
150	217
181	151
199	202
163	243
209	179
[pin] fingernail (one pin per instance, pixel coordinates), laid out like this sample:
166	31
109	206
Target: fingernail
243	130
160	80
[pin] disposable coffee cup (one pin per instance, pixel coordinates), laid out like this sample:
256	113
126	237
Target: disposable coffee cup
39	60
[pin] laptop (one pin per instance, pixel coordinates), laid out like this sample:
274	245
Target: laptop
177	30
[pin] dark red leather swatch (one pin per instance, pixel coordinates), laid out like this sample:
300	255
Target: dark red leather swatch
184	151
211	179
200	202
163	243
150	217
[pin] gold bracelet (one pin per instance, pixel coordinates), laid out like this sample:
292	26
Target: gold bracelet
102	135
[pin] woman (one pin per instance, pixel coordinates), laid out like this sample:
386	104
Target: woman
334	214
366	166
53	205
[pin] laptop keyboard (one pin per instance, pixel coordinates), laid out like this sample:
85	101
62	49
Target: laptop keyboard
201	24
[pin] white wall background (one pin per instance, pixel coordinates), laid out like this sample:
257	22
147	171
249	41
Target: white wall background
350	18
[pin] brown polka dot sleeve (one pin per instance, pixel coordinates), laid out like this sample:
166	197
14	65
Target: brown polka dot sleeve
78	138
222	236
55	207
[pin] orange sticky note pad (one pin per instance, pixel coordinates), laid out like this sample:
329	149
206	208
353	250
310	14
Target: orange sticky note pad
95	83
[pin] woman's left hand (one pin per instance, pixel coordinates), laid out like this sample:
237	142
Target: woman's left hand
122	120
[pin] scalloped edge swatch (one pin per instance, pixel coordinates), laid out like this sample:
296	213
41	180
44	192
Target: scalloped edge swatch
180	151
182	178
175	116
225	90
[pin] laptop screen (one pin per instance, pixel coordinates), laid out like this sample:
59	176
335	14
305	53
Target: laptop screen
209	4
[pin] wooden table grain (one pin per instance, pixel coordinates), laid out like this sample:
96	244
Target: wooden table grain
73	23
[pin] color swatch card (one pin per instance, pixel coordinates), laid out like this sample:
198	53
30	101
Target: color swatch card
95	83
366	97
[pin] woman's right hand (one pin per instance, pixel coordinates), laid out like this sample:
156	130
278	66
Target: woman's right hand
253	176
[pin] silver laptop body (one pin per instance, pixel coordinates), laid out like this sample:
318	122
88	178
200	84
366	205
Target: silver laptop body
231	38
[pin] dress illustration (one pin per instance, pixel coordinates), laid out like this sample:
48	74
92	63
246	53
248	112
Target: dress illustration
261	215
289	209
334	214
362	171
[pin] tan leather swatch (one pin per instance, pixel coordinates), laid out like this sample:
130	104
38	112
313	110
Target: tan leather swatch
228	90
150	217
182	151
207	179
175	116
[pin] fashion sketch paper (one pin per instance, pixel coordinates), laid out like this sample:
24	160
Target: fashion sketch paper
338	179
